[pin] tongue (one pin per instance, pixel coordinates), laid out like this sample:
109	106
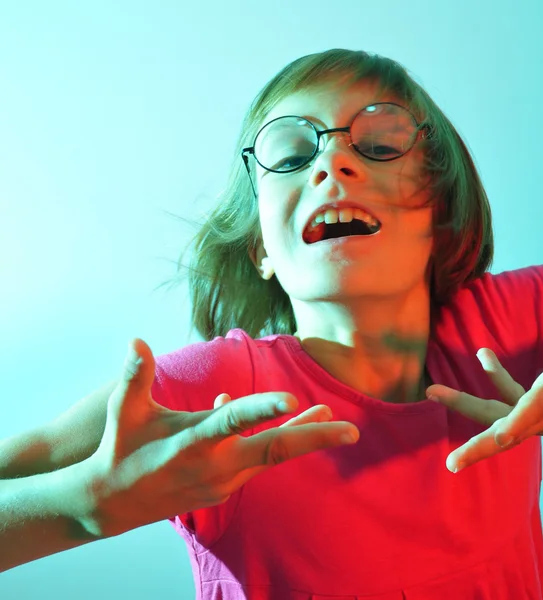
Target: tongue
314	234
329	231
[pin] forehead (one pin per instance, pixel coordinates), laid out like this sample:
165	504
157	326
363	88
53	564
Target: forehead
331	103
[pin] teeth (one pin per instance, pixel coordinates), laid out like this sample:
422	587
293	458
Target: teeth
315	231
344	215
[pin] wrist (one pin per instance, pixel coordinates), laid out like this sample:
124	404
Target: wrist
101	510
72	489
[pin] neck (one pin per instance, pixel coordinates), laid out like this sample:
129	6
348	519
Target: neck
378	349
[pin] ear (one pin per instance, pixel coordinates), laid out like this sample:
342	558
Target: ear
261	261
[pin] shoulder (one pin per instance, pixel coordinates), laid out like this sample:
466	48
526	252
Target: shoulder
524	279
190	378
502	311
519	289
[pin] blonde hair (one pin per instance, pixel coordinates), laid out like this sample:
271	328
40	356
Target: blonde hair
225	289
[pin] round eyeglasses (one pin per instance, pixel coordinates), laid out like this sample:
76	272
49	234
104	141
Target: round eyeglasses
383	131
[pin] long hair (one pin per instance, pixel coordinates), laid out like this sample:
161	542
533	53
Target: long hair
226	291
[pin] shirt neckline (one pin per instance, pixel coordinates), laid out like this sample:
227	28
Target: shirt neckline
324	378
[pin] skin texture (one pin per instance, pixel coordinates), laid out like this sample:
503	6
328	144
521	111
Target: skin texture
363	308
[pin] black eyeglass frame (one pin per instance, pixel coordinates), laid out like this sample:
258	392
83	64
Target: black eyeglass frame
419	127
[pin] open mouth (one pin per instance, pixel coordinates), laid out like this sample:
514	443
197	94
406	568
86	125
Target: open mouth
326	231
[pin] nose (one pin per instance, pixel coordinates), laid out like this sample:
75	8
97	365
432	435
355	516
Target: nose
338	161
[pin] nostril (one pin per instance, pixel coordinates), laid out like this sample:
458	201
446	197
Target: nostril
322	176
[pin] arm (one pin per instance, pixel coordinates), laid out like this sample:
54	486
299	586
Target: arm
44	484
40	515
69	439
149	464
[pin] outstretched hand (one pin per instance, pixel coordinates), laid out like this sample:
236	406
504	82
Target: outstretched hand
153	462
517	416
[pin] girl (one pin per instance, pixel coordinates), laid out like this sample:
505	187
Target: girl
344	272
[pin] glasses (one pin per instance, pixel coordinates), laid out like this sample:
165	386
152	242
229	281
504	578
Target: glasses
382	132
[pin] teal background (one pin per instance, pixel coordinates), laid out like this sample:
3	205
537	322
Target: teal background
115	114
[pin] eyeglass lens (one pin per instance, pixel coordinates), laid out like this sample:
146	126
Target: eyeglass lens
380	132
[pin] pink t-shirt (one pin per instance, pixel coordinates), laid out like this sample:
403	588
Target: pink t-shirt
382	519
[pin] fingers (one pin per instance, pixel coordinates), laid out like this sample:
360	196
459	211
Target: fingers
277	445
136	378
477	448
268	448
139	365
483	411
231	424
526	418
221	400
235	417
315	414
476	409
510	391
260	452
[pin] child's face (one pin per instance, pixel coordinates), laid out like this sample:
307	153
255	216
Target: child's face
385	264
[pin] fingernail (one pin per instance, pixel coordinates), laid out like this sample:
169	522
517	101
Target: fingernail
283	406
348	438
432	397
459	467
327	414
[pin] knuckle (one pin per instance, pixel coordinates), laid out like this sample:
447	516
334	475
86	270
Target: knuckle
277	451
498	422
231	422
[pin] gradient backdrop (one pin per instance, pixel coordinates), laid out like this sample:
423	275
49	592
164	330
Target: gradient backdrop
116	114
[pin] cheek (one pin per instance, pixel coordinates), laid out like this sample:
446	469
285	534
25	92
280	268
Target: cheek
277	199
410	227
417	232
272	222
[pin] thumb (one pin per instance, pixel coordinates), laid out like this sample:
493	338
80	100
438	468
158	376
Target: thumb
136	378
129	404
139	366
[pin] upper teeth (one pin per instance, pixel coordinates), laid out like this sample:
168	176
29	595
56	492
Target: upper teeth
344	215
